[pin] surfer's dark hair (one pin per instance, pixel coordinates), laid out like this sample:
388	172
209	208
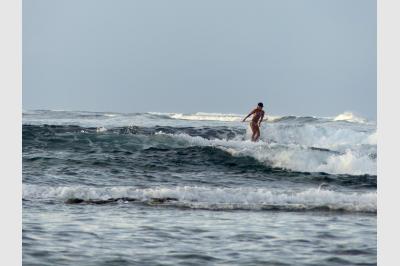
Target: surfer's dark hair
261	104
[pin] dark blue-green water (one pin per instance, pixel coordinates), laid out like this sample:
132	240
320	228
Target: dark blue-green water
191	189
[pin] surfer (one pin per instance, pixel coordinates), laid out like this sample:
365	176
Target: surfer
258	115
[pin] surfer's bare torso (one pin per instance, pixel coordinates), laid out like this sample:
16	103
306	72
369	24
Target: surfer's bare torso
257	116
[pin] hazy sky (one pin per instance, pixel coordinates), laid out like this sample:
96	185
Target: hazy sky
300	57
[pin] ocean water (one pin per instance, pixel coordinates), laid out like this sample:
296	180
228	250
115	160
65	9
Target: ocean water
192	189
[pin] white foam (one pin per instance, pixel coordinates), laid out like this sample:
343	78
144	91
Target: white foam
373	138
272	118
329	136
350	117
217	198
101	129
290	156
199	116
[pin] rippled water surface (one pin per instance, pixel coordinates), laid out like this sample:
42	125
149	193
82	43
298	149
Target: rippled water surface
191	189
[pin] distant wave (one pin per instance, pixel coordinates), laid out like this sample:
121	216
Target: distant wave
212	198
297	119
349	117
200	116
52	116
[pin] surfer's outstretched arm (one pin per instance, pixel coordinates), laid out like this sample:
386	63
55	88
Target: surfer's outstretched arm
252	112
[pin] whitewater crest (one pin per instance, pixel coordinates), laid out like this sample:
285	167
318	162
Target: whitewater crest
293	157
109	119
350	117
200	116
245	198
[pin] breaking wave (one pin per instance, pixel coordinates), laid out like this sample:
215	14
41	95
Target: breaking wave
305	149
293	157
206	116
85	118
349	117
212	198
